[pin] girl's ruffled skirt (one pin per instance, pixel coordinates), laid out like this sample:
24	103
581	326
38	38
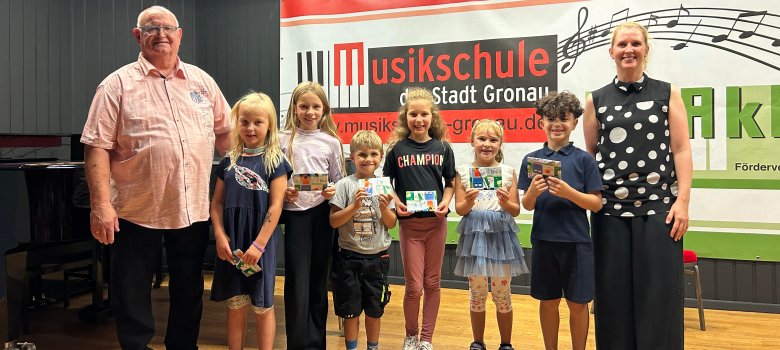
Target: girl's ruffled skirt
488	245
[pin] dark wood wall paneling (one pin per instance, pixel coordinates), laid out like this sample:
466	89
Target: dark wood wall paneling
739	281
5	65
238	44
54	53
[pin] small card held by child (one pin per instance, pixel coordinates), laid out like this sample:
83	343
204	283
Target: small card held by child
246	269
544	167
485	178
310	182
376	186
421	201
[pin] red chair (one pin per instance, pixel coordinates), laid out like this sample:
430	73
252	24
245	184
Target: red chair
691	267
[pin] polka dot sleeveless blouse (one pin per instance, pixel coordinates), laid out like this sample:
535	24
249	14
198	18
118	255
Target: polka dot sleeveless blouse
633	152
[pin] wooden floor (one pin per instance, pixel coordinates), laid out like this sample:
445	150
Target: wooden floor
56	328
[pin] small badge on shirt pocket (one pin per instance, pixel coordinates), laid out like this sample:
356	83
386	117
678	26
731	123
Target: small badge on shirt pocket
195	96
201	104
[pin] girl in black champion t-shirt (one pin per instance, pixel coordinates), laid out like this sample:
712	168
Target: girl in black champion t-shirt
418	159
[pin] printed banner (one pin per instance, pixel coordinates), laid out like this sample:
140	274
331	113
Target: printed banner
494	59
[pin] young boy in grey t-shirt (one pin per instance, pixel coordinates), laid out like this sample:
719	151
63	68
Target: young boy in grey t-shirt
360	267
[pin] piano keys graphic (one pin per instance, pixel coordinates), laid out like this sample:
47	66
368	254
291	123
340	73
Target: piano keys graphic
342	73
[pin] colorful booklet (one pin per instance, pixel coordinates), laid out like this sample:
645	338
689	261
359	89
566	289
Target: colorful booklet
246	269
544	167
421	201
310	182
376	185
485	178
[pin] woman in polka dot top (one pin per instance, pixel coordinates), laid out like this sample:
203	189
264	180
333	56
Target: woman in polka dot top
636	127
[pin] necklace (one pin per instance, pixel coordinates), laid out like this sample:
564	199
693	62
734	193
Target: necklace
257	150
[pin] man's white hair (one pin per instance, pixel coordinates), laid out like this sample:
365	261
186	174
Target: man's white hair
153	9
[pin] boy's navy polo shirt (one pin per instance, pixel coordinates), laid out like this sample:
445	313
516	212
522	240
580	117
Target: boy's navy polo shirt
557	219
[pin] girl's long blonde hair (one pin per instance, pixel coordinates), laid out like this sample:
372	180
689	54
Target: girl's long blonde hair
489	124
326	123
437	130
257	101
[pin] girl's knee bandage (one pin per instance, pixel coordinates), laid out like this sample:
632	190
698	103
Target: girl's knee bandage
238	301
502	296
261	310
478	291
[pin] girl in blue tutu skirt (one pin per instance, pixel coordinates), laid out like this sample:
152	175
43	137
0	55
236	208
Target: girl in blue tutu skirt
488	250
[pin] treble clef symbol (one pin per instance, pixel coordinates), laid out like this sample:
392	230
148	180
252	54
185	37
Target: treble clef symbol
575	45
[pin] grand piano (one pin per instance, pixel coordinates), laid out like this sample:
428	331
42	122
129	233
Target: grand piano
41	224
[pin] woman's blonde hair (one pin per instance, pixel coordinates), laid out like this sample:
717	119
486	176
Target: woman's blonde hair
256	101
642	30
326	123
489	124
437	130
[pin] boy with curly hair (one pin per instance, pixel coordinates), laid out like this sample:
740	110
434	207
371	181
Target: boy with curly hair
562	259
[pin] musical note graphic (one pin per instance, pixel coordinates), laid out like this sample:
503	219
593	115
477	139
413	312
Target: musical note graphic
592	33
652	18
758	39
612	20
684	44
575	40
745	34
674	22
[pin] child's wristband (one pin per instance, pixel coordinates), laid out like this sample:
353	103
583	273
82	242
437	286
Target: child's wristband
258	247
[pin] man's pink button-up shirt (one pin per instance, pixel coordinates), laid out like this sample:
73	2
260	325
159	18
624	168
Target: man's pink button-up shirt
160	133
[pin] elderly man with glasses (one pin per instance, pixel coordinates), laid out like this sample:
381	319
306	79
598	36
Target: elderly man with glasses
150	137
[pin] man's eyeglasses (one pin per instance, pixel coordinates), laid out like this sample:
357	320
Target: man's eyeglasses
155	30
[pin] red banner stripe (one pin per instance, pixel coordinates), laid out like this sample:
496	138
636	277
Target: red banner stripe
298	8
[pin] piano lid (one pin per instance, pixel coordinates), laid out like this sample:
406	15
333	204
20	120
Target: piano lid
26	165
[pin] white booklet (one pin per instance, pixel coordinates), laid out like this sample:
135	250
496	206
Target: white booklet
376	185
485	178
421	201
